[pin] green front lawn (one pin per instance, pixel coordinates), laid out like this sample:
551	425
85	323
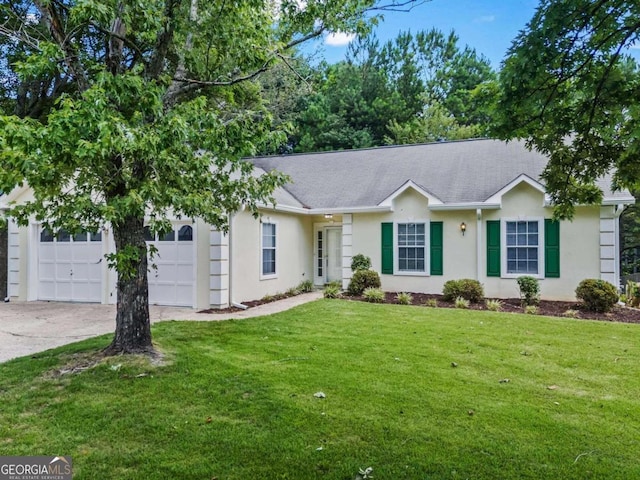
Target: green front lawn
235	399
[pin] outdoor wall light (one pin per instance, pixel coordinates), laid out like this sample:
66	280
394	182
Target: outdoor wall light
463	228
328	215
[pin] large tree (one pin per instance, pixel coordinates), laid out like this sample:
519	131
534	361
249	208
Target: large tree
128	113
380	90
570	88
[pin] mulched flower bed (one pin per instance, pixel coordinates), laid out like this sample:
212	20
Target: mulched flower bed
512	305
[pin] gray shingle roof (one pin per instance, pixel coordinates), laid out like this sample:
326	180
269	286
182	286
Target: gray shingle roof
456	172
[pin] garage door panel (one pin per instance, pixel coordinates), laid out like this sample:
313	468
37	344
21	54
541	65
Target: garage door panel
172	282
185	252
69	270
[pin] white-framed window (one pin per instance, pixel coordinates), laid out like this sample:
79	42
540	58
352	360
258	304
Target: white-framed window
268	250
411	248
522	247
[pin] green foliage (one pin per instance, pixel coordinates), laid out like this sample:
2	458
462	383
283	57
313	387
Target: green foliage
531	309
597	295
404	298
632	294
134	110
373	295
493	305
466	288
529	290
571	313
378	95
292	292
360	262
305	286
431	303
461	302
569	89
363	279
332	291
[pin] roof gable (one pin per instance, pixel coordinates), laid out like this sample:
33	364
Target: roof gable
409	184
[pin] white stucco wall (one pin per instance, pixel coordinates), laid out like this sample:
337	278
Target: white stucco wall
294	254
580	248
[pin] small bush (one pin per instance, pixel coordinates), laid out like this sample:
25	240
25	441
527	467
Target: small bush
363	279
292	292
360	262
373	295
306	286
531	310
331	291
404	298
571	313
597	295
529	290
493	305
268	298
631	294
462	302
466	288
431	302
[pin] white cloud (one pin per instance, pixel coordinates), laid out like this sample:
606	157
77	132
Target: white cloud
485	19
339	39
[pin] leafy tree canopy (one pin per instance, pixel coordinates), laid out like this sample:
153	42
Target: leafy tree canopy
570	89
133	112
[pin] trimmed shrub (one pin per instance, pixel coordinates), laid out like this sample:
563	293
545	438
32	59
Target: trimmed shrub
404	298
531	310
305	286
331	291
462	302
466	288
493	305
431	302
373	295
597	295
363	279
529	290
360	262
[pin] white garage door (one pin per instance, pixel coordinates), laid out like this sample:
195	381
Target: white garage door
171	281
70	267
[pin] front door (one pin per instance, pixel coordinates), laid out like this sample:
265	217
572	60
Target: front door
333	257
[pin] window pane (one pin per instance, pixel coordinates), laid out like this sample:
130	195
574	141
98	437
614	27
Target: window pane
511	239
63	236
148	235
268	261
96	236
80	237
185	234
169	236
522	227
511	227
533	227
46	236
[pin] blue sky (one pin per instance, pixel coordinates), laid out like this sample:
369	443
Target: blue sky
489	26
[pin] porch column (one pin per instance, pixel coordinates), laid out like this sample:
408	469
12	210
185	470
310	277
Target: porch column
608	244
347	248
218	269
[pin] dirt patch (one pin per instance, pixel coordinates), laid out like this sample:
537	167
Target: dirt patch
512	305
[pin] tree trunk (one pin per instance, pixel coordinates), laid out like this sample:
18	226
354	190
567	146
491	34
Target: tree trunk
133	327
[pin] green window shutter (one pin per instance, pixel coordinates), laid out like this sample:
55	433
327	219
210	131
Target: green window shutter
551	248
493	248
387	248
436	248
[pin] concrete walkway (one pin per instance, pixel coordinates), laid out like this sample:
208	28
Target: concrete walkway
30	327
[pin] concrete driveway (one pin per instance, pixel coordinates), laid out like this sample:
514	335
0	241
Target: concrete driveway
30	327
